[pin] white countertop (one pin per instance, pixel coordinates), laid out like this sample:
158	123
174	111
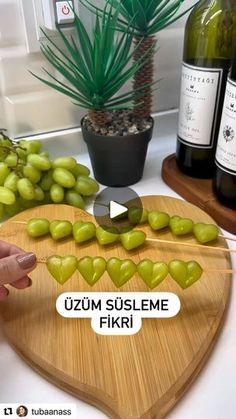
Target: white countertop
212	395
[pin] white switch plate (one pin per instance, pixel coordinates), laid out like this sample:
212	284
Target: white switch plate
64	12
33	18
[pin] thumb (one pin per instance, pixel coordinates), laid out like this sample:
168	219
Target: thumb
15	267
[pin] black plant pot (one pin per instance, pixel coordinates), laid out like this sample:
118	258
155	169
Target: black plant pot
119	160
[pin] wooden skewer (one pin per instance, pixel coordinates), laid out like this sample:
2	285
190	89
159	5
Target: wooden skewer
224	271
201	246
19	222
41	261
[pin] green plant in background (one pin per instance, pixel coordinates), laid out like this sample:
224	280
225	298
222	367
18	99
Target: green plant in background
94	68
144	18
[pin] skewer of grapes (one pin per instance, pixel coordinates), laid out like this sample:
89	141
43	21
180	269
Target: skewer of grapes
185	274
83	231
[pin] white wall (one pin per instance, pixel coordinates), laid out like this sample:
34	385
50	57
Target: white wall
27	106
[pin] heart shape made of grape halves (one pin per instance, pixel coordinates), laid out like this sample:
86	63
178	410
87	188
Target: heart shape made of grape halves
105	237
205	233
152	273
158	220
83	231
62	267
132	239
180	226
120	271
92	268
185	273
60	229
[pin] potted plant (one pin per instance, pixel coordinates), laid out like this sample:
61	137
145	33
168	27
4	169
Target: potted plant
93	70
144	18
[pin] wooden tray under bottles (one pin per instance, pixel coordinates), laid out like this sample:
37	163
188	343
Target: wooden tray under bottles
198	192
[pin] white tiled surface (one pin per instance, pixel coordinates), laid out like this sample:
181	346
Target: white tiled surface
11	31
40	111
212	396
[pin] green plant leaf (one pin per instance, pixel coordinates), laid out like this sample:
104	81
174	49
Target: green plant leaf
75	54
55	86
151	16
169	22
75	81
93	68
140	17
85	43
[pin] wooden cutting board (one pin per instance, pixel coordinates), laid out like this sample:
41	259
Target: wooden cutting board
129	377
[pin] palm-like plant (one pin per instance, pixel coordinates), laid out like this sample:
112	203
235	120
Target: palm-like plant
145	18
93	69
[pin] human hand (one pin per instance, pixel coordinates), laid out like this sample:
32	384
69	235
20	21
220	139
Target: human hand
15	264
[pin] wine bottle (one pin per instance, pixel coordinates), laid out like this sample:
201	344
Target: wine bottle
209	33
225	176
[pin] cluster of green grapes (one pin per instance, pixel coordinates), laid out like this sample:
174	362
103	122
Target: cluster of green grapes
29	178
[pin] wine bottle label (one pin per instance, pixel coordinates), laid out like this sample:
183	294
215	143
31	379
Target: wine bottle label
199	101
226	146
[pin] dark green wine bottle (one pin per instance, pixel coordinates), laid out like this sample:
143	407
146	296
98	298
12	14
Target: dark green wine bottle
225	176
208	46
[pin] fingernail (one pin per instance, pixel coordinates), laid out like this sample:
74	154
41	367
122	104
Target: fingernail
26	261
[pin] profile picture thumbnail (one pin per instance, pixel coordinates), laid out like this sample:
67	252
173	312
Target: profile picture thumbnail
22	411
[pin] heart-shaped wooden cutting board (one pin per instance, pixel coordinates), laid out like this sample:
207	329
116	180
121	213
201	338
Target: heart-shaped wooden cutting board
129	377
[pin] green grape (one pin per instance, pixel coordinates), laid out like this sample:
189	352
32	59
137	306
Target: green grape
31	147
33	174
11	160
26	189
38	193
1	211
21	152
4	142
35	146
56	193
86	186
83	231
11	181
38	227
7	197
44	154
39	162
60	229
80	169
62	268
4	172
74	199
63	177
137	215
47	181
68	163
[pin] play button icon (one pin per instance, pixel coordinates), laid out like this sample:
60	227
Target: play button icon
117	210
112	209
